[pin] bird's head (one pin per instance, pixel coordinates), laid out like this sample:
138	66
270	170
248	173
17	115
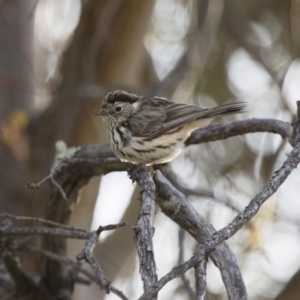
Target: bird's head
118	105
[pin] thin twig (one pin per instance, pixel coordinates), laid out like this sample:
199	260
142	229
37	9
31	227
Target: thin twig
69	161
51	178
86	254
44	231
118	293
40	220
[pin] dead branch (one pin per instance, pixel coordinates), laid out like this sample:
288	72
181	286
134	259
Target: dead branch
86	254
144	229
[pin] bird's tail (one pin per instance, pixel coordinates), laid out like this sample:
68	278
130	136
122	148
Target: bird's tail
226	109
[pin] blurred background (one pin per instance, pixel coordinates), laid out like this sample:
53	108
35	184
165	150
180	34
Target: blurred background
59	58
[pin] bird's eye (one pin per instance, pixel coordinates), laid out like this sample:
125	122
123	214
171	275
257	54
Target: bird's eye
118	108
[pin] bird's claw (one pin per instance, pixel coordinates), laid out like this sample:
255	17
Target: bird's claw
134	171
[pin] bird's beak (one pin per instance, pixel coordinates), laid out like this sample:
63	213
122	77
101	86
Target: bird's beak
101	112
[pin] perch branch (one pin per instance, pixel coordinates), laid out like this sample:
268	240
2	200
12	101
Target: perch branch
144	229
200	276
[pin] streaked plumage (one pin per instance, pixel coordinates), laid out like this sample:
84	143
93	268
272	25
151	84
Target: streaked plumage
153	130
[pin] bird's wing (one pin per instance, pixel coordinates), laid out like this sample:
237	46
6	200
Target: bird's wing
154	120
147	121
179	114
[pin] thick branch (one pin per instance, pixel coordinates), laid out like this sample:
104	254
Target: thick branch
176	206
200	276
144	229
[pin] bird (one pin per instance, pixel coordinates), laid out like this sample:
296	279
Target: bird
152	131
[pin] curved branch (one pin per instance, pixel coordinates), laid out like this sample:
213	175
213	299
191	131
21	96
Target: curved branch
222	132
86	254
176	206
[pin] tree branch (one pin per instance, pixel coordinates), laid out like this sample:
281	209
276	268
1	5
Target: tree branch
86	254
177	207
239	221
44	231
144	229
200	276
222	132
41	220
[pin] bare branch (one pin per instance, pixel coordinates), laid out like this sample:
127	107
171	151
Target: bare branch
144	229
222	132
86	254
36	219
177	207
200	276
44	231
50	178
239	221
118	293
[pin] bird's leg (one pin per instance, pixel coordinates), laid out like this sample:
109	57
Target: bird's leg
134	170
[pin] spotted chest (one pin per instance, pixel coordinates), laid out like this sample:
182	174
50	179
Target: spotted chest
138	150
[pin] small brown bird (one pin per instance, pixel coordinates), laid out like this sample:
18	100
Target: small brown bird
152	131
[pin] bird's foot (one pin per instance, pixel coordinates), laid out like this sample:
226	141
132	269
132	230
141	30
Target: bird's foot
135	170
